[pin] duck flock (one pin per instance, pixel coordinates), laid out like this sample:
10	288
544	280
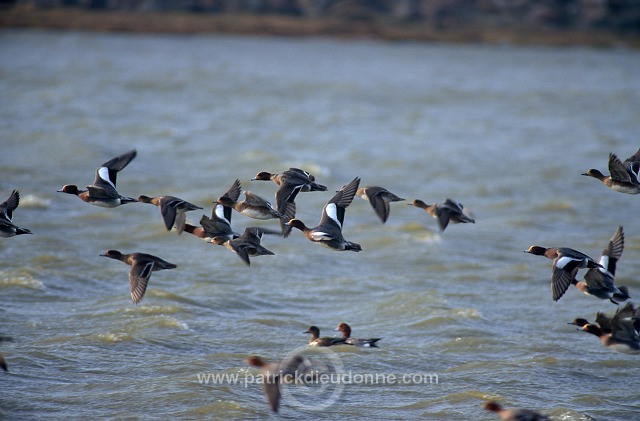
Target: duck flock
619	332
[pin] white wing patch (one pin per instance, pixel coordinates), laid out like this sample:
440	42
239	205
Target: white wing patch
219	211
103	172
634	170
331	210
564	261
604	261
320	236
256	214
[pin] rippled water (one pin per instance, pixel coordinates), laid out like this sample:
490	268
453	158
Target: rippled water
507	131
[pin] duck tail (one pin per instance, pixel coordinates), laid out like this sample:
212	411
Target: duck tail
20	231
353	247
125	200
317	187
623	293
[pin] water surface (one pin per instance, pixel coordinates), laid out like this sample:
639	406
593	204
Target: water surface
505	130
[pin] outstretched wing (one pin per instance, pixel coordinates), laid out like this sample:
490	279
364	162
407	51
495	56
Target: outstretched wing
561	279
107	173
138	279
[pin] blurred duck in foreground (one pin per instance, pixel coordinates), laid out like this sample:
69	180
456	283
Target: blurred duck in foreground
3	363
624	176
103	191
275	374
514	414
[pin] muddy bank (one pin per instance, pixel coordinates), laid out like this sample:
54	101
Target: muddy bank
244	24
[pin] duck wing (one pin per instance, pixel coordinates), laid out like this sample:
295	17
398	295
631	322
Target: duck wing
443	214
561	279
379	198
8	206
139	278
334	210
107	173
234	191
618	170
603	277
255	200
632	164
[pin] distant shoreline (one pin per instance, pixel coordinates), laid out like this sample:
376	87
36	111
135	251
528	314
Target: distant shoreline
241	24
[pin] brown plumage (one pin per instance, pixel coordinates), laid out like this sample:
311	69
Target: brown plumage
142	265
277	373
448	212
624	176
103	191
173	210
514	414
7	228
248	244
317	340
379	198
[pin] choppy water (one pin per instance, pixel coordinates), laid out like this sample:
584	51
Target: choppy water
505	130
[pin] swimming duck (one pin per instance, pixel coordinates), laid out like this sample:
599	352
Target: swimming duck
599	281
624	176
566	262
142	265
346	334
277	373
623	335
450	211
173	210
103	190
7	228
329	231
514	414
379	198
316	340
248	244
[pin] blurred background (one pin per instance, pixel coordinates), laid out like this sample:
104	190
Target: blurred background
600	22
